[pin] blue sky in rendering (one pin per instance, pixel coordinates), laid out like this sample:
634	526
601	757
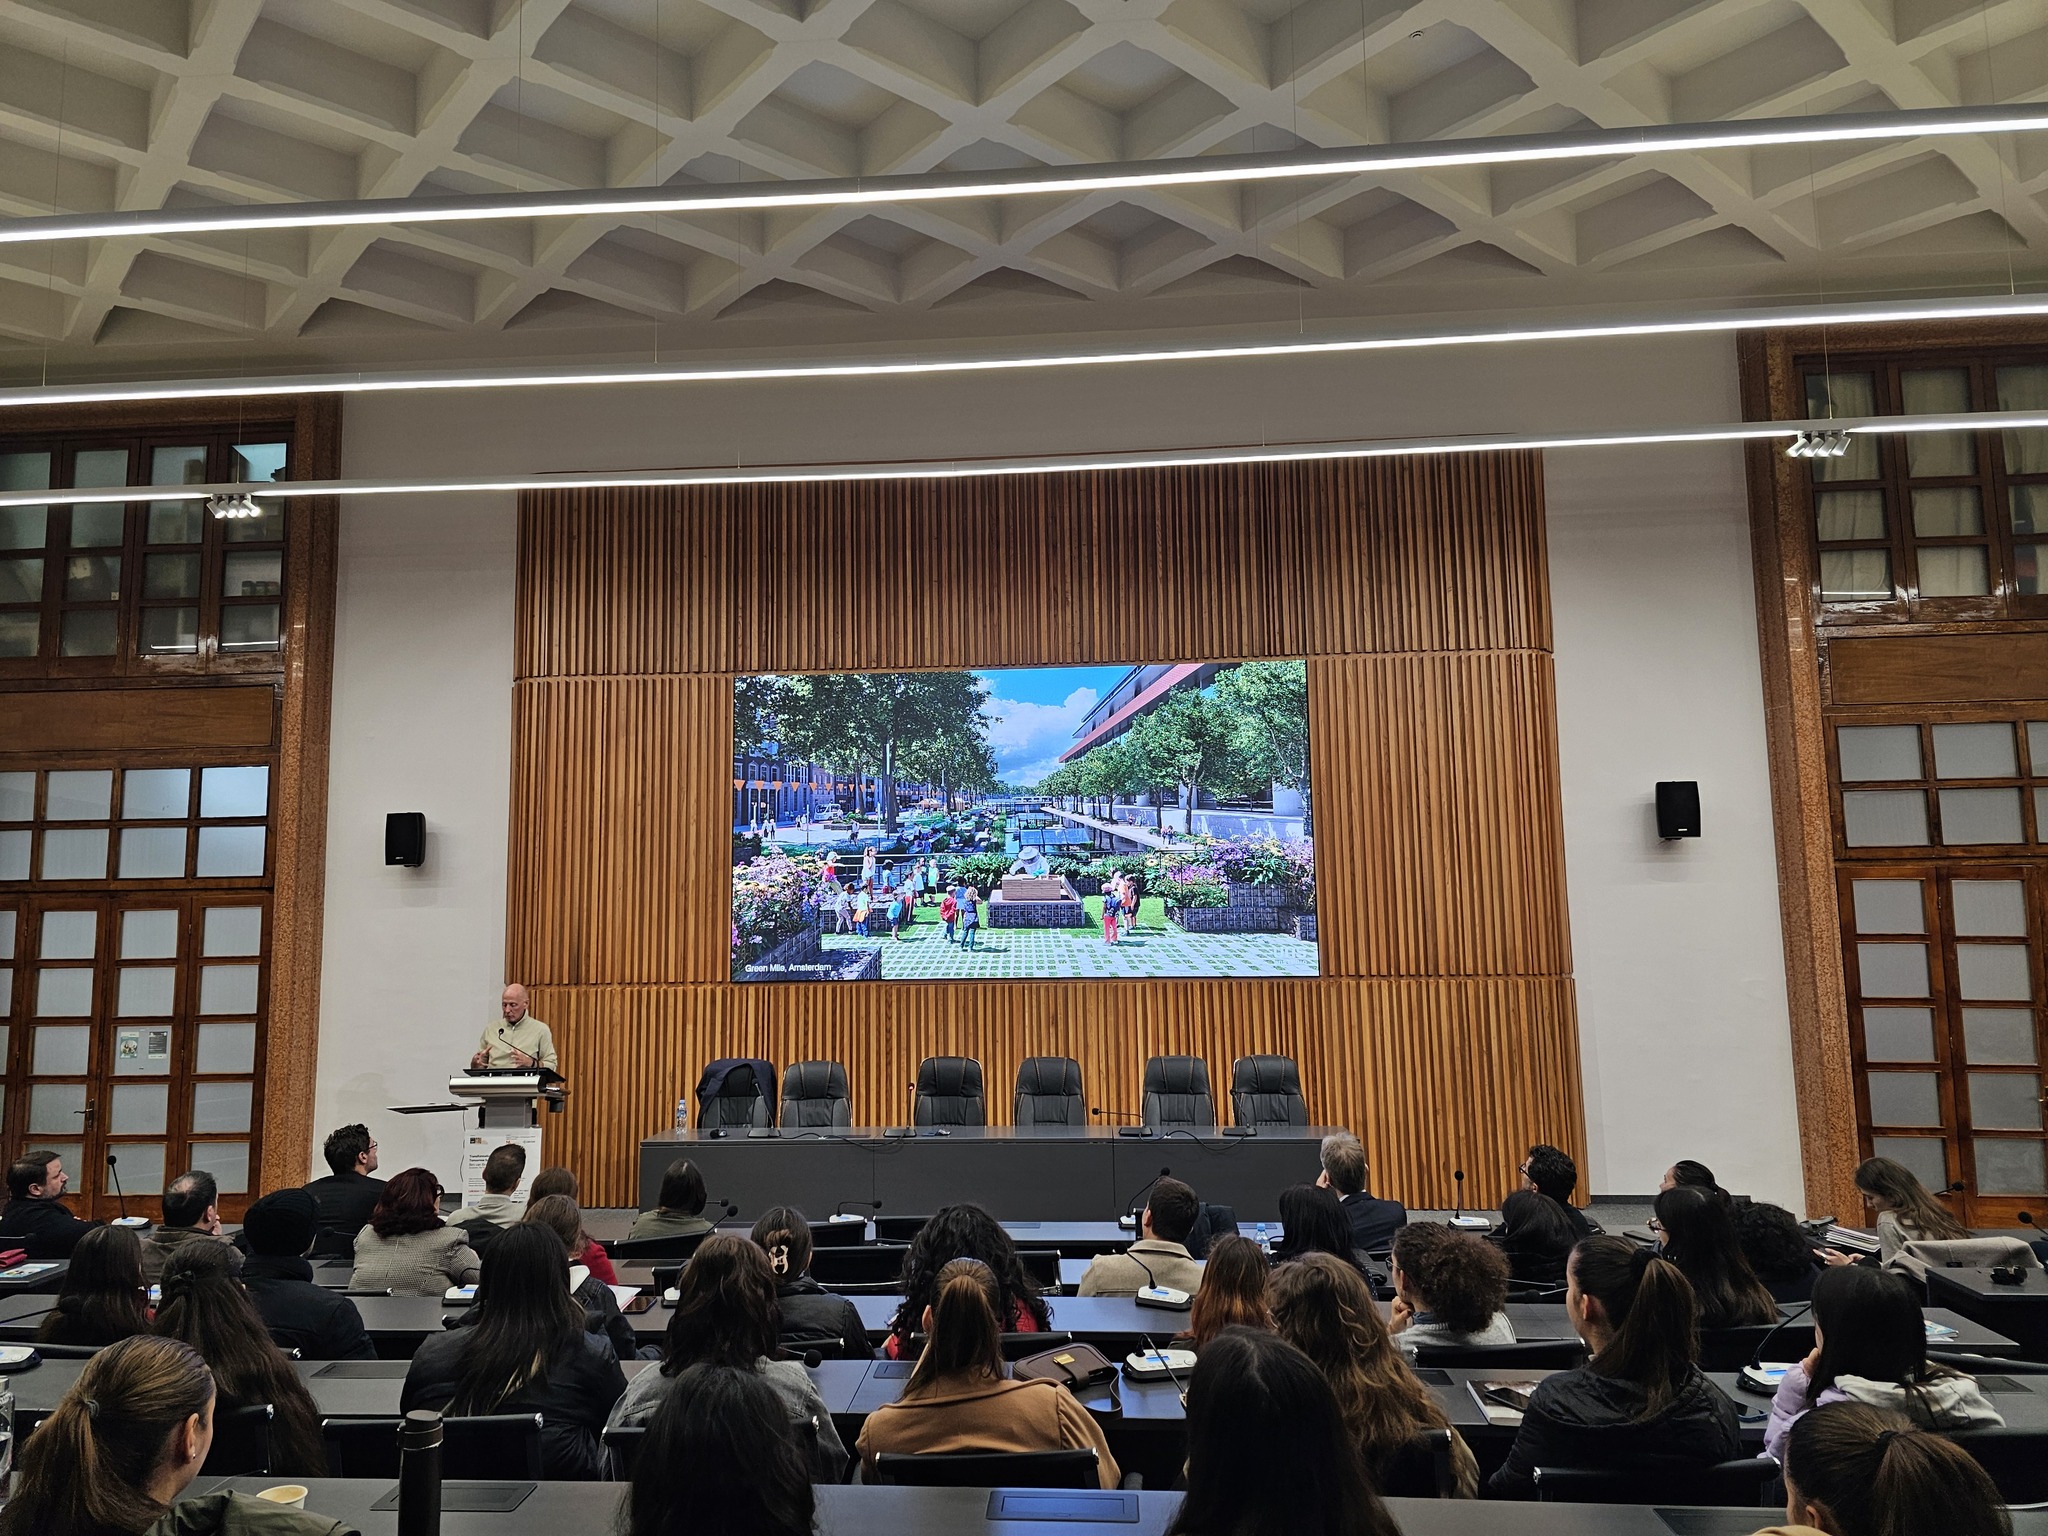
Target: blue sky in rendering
1034	712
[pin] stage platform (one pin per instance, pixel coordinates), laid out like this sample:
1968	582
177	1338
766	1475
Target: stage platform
1023	1173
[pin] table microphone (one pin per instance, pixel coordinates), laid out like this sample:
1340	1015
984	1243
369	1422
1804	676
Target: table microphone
1751	1377
1140	1130
1130	1216
866	1205
1458	1217
114	1168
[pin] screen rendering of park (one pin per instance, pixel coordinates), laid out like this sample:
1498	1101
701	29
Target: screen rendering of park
1044	822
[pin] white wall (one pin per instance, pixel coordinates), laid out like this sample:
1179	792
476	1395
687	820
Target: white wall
1682	1012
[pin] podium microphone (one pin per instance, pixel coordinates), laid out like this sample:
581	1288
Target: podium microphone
114	1168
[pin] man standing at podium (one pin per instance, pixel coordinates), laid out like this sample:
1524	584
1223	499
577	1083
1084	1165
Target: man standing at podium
521	1041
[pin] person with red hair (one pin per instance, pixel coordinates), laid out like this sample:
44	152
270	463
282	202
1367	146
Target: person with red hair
407	1248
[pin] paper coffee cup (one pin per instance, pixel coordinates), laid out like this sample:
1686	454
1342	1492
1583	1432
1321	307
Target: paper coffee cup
291	1495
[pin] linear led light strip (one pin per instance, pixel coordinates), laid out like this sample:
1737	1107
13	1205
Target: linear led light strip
952	469
1993	307
1512	149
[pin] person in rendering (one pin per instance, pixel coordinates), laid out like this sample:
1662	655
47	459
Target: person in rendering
681	1211
1373	1221
842	909
102	1299
1853	1470
896	915
1160	1256
345	1198
190	1215
520	1041
36	1217
970	917
949	912
319	1322
1112	906
719	1459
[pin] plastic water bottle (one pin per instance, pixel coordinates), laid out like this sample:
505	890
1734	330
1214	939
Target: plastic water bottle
1265	1243
682	1114
6	1439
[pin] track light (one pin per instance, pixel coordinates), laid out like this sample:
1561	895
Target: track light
1819	445
233	506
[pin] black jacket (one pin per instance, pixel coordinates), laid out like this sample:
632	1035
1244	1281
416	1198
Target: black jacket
813	1315
319	1323
45	1228
1579	1419
582	1382
1373	1221
342	1202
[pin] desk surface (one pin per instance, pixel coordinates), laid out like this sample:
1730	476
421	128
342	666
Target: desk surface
1978	1284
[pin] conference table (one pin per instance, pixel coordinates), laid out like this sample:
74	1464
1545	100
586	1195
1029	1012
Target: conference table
2020	1310
1046	1173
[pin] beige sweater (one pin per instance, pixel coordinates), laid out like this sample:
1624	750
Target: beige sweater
976	1414
418	1264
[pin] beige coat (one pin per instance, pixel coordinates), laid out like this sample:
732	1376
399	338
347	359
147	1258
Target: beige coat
976	1414
418	1264
1121	1274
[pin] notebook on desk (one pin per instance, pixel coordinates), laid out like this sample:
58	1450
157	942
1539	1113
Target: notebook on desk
1503	1402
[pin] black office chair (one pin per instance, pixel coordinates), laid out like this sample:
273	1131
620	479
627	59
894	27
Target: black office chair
654	1250
1730	1349
2015	1459
815	1096
838	1234
899	1229
483	1448
1211	1222
949	1092
1049	1092
241	1442
1176	1093
872	1264
1421	1469
1741	1484
990	1469
329	1243
1015	1346
622	1450
739	1102
1266	1091
1528	1355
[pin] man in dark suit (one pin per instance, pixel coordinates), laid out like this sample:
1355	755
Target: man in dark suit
1373	1222
344	1199
36	1217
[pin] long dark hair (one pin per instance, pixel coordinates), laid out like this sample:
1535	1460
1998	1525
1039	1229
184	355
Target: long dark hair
784	1235
726	1312
1233	1293
524	1317
1907	1199
1870	1326
86	1470
719	1460
1534	1231
102	1299
411	1203
1876	1474
966	1336
205	1306
964	1231
1649	1305
1699	1237
1268	1452
1312	1220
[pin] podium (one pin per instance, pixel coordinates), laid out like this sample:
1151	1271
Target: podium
507	1098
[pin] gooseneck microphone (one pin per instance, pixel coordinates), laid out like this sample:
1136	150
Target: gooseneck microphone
114	1168
1115	1114
1751	1377
1458	1200
1137	1201
866	1205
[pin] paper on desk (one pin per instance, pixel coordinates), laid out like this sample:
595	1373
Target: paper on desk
625	1293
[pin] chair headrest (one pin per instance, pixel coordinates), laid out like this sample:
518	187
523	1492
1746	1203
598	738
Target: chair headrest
1177	1074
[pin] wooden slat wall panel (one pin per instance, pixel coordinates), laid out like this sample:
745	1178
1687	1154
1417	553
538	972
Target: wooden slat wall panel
1434	1075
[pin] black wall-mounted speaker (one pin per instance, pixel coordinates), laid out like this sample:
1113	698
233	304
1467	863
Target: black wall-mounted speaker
1678	809
405	838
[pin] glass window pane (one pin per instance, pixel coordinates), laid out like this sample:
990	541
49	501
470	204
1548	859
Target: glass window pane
64	994
140	1109
14	852
21	633
1993	973
260	461
89	632
1846	515
147	992
1976	816
252	573
1831	394
156	794
220	1107
2029	567
177	466
234	792
1998	1037
227	1161
1886	818
56	1108
229	851
233	931
21	581
6	1004
1938	392
226	1048
1878	752
24	527
70	935
24	471
1947	511
249	627
1925	1155
77	854
7	921
2009	1165
2005	1101
1990	909
61	1050
92	578
266	527
151	935
98	525
170	632
1898	1034
2024	387
1904	1098
1889	906
94	468
141	1166
17	797
227	989
153	853
1982	751
176	522
1961	571
1892	970
2028	505
170	576
80	795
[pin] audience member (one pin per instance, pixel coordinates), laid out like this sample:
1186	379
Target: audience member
35	1217
1777	1249
190	1215
964	1231
124	1444
1269	1454
1535	1236
812	1316
1853	1470
103	1298
1373	1221
1551	1172
681	1211
1233	1294
1696	1231
1693	1175
1311	1221
527	1352
564	1217
1870	1346
560	1181
1906	1212
1450	1289
205	1306
957	1398
321	1324
1640	1403
1325	1309
407	1248
719	1460
726	1316
1160	1255
347	1196
499	1205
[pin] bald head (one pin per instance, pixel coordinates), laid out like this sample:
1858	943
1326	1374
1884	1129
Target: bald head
513	1003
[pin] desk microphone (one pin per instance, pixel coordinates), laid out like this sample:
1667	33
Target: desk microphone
1458	1217
114	1168
1130	1216
1141	1130
1751	1377
731	1210
866	1205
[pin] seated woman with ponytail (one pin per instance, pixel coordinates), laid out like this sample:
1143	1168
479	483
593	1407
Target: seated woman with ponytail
811	1315
205	1306
1853	1470
122	1446
102	1299
957	1399
1640	1403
